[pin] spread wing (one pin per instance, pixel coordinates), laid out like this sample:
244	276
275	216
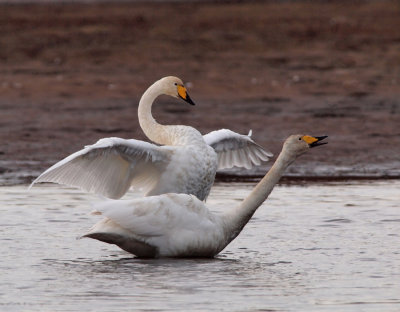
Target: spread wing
234	149
110	167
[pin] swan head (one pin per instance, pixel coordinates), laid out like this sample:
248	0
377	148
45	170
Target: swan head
299	143
174	87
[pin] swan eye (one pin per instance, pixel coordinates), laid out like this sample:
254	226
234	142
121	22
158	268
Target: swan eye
300	139
175	84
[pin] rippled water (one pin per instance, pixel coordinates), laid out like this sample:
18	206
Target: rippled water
331	247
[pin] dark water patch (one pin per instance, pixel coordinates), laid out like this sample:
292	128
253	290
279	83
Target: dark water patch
391	301
376	276
390	220
11	224
306	179
338	220
60	221
367	259
315	249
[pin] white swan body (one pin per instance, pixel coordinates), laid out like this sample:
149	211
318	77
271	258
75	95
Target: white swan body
186	163
180	225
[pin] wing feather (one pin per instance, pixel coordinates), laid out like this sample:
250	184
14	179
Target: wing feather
254	159
110	167
234	149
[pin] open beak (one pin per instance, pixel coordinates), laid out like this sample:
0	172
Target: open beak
317	141
182	93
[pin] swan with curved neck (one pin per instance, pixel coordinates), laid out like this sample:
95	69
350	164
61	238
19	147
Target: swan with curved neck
179	225
161	134
185	163
193	164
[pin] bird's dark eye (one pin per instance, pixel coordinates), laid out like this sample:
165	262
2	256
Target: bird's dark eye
175	84
300	139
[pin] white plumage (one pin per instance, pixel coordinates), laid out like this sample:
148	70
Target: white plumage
180	225
110	166
186	163
234	149
165	225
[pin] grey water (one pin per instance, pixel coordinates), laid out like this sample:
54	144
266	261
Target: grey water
310	247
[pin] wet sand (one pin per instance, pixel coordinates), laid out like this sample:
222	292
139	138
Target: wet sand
74	73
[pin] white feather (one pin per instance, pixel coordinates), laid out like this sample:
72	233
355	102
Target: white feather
235	149
173	223
110	166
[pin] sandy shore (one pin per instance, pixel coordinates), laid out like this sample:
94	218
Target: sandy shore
71	74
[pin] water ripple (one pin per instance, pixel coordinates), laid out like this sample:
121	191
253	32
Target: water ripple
299	254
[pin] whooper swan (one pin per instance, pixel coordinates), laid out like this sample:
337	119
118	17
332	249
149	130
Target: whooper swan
186	163
180	225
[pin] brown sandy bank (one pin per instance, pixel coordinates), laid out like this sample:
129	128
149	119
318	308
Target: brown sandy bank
71	74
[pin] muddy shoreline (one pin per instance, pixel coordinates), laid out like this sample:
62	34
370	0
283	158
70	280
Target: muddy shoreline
74	73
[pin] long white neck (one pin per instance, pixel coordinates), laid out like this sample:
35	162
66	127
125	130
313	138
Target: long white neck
240	216
163	134
152	129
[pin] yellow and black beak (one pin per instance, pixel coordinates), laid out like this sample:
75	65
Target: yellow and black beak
314	141
182	93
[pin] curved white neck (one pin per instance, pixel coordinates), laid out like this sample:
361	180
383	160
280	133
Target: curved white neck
163	134
240	216
151	128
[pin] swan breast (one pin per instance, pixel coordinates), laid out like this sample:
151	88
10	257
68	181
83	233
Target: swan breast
191	171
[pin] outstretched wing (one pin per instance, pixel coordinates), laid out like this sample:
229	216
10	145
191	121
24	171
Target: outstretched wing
110	166
234	149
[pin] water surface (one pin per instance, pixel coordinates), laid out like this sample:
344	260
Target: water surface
329	247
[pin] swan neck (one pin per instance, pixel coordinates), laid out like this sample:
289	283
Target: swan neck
151	128
267	184
240	216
